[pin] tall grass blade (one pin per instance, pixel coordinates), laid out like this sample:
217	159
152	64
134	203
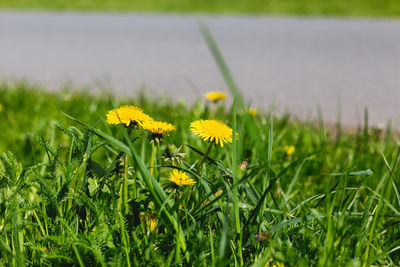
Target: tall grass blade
234	169
219	59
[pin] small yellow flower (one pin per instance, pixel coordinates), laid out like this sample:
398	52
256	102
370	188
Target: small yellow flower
149	221
289	150
277	264
127	115
180	178
253	111
212	130
1	107
215	96
157	127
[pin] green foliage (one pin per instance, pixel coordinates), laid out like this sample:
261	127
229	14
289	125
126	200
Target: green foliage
335	201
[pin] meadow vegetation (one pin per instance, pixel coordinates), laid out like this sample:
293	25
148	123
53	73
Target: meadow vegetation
84	183
75	190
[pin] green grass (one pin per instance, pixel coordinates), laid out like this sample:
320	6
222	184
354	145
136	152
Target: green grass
76	191
380	8
334	202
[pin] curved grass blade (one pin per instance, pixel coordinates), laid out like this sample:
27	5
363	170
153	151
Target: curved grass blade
219	59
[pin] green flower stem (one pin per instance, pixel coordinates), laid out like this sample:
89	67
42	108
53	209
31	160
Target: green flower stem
153	161
186	217
125	186
188	196
177	249
203	160
158	153
213	109
134	187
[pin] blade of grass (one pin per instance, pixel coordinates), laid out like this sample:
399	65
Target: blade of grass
219	59
380	208
234	169
269	159
235	190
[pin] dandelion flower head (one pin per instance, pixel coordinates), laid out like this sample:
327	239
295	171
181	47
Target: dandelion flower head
253	111
215	96
180	178
289	150
149	221
212	130
127	115
157	127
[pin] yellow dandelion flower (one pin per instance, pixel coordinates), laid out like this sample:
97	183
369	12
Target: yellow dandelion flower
180	178
253	111
289	150
149	220
212	130
277	264
215	96
127	115
157	127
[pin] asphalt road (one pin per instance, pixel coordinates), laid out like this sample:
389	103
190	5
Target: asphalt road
301	62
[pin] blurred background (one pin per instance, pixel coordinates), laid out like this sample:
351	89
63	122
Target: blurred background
336	55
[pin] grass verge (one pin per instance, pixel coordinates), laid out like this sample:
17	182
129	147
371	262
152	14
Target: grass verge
332	200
